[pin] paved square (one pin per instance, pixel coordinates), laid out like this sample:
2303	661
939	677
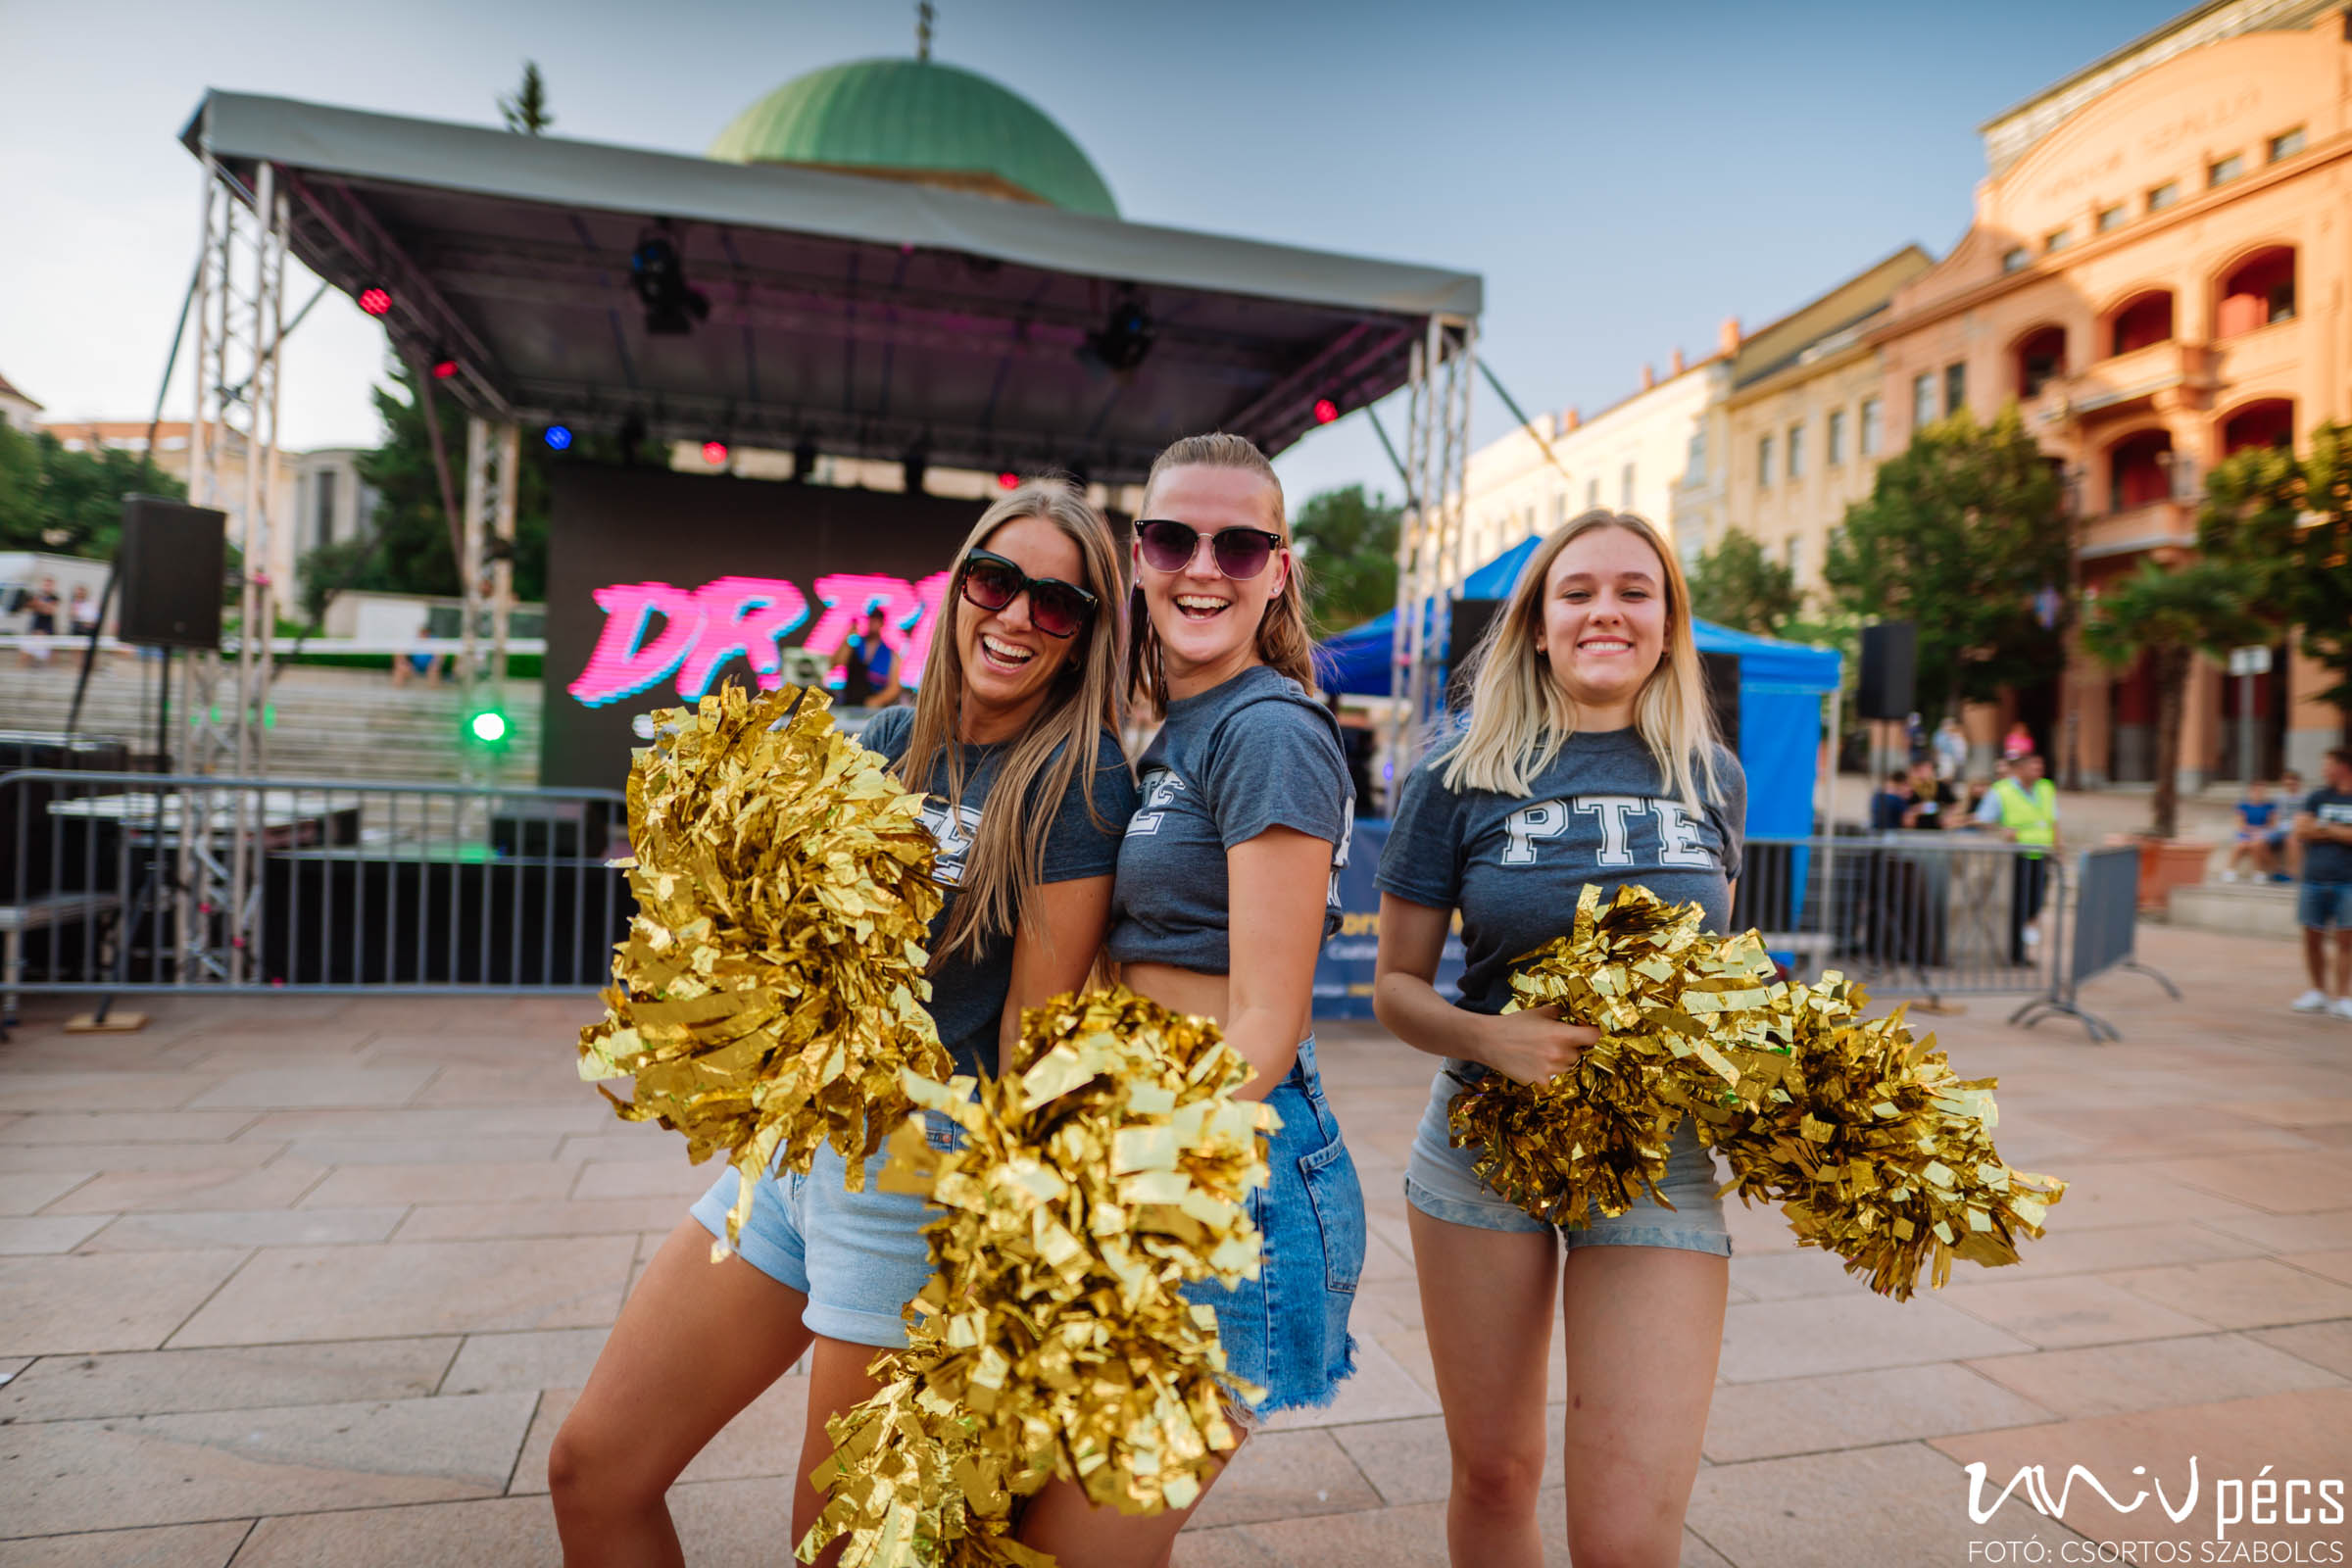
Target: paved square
300	1281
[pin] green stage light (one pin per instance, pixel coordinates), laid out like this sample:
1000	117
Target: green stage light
487	727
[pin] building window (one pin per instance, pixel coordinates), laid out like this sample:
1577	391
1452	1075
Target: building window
2164	196
2056	240
1560	509
1955	387
2014	259
1792	551
2110	217
1923	400
2041	359
1837	453
323	494
2143	319
1796	452
1764	461
1624	489
1867	438
1695	472
2224	169
1592	494
2259	291
2286	144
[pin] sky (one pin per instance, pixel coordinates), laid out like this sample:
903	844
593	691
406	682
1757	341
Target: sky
1623	176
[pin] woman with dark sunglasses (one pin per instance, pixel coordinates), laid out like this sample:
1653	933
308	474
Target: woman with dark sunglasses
1222	904
1013	735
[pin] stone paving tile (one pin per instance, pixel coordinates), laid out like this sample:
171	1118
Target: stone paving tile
2290	1233
174	1469
2336	1265
2076	1309
556	1217
2279	1184
1381	1389
2111	1379
28	1192
1409	1462
2123	1194
69	1388
2242	1294
2323	1345
646	1142
537	1083
482	1121
642	1178
300	1087
161	1546
365	1185
1233	1547
508	1150
136	1156
244	1227
2322	1111
133	1192
100	1091
1850	1334
47	1233
1901	1506
394	1287
497	1532
2080	1252
126	1127
1786	1276
2172	1131
1857	1411
2299	1435
80	1302
547	1359
1286	1475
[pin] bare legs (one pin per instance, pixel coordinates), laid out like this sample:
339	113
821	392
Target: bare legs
1060	1520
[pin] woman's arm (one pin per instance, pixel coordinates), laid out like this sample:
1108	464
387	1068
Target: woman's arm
1528	1047
1278	884
1056	958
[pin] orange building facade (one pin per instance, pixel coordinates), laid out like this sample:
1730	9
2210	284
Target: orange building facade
2158	278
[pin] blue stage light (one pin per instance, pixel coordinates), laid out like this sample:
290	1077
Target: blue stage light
558	437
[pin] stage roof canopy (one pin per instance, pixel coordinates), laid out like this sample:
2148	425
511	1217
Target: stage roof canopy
865	317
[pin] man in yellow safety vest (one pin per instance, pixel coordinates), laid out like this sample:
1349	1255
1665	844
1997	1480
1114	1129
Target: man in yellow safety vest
2024	809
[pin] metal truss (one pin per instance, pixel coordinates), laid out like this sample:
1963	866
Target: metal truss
493	480
1429	546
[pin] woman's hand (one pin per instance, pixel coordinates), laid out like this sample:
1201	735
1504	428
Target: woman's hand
1532	1046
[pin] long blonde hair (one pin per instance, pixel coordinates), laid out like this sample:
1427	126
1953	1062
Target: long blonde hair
1520	717
1284	641
1006	856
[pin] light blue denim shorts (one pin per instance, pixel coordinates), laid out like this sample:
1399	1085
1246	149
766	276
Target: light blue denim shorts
1441	1182
858	1258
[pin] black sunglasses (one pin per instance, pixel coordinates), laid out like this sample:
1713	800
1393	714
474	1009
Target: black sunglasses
1055	608
1241	553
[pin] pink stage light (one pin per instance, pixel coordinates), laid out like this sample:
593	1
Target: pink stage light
715	453
374	301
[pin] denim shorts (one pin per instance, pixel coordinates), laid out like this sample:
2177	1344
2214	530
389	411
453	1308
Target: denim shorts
1441	1182
858	1258
2321	904
1287	1330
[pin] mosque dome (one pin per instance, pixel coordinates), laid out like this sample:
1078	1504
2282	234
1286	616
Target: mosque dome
922	122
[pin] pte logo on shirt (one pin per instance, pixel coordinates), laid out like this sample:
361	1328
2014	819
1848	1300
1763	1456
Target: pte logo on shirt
1677	835
1161	789
951	831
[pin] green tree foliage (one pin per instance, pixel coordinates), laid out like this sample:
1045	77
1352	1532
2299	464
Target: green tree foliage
1348	541
70	501
525	109
1960	533
1737	585
2289	520
2167	617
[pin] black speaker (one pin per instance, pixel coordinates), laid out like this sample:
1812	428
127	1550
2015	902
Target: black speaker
1723	695
1890	670
1469	619
169	570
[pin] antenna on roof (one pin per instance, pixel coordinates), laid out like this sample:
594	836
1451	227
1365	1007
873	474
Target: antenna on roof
924	15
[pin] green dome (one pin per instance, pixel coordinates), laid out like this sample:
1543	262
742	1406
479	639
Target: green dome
920	121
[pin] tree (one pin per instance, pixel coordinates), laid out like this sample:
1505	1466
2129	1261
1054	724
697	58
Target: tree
2289	520
409	529
55	499
1737	585
525	109
1349	542
2167	617
1962	533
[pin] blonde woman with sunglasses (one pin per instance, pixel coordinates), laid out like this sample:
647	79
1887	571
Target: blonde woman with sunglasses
1013	735
1222	904
1589	760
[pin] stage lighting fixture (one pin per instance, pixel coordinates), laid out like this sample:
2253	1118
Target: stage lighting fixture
671	305
1326	411
803	459
374	301
1008	480
715	453
558	437
486	726
444	367
1127	335
632	438
913	465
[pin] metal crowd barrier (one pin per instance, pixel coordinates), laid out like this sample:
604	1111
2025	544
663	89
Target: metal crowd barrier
114	882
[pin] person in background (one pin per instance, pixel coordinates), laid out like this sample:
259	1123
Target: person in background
2017	742
2287	852
84	610
1972	802
869	666
1892	802
2323	827
1951	750
2255	816
40	623
2023	807
419	662
1932	802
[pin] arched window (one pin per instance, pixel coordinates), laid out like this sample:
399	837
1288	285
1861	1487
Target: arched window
2140	320
2040	359
2257	291
2139	469
2270	423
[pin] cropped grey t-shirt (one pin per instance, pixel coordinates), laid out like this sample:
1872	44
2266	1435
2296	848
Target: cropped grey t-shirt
1230	762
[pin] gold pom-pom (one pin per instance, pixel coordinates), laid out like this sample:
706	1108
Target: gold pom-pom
770	990
1110	1168
1873	1147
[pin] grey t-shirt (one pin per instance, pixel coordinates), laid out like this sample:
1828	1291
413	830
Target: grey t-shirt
1229	763
968	991
1515	866
2328	862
